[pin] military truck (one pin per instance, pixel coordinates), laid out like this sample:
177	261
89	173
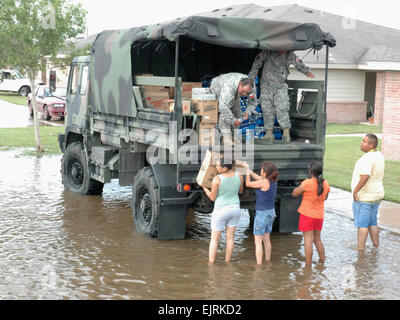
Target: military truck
110	132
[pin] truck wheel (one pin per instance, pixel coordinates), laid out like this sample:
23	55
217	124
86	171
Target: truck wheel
23	91
75	171
145	202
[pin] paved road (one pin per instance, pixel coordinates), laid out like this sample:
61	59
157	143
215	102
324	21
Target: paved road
14	115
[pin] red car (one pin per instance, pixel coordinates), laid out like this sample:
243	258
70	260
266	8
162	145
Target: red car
49	103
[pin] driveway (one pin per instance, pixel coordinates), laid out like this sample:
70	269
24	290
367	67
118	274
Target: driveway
14	115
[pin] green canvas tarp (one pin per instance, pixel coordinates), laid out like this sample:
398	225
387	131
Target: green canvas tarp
113	57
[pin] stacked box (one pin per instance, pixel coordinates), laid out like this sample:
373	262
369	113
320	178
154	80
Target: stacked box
187	88
155	96
186	107
165	105
207	109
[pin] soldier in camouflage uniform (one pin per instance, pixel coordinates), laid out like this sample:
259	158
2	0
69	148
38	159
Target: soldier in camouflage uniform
229	88
274	97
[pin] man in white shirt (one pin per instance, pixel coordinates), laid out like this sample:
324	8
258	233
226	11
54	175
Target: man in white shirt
368	191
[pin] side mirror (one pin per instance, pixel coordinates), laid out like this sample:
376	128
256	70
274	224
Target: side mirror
52	81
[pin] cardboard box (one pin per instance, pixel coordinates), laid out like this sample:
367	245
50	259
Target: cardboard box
241	167
155	94
208	169
207	109
165	105
208	134
187	88
186	107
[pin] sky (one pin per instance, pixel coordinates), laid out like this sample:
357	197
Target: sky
120	14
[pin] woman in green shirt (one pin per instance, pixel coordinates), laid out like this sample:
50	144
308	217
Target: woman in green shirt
225	190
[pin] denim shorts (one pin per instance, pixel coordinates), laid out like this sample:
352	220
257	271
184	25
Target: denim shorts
365	214
263	222
228	216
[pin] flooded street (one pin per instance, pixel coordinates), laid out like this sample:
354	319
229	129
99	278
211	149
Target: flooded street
58	245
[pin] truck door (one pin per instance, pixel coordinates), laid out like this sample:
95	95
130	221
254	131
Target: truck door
77	93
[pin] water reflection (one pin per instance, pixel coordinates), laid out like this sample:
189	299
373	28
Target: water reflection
59	245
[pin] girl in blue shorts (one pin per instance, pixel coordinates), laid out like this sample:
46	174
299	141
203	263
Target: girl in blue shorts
265	186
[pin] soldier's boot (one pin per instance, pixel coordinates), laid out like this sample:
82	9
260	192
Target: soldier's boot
286	135
269	136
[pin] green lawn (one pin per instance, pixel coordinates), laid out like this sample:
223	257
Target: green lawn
334	128
25	138
340	157
13	98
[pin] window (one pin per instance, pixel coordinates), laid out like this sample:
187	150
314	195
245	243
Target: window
74	80
85	72
47	93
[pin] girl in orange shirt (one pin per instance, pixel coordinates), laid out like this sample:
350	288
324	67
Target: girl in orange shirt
315	191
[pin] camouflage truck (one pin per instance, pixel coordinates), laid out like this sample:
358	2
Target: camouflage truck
109	133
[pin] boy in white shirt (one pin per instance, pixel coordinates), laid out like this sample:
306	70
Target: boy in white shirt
368	191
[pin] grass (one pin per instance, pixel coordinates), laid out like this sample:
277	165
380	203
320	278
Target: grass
341	155
13	98
25	138
333	128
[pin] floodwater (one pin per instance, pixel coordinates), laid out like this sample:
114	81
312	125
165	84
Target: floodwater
58	245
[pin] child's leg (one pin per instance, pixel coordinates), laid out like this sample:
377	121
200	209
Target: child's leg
229	232
319	245
267	246
308	245
259	248
212	252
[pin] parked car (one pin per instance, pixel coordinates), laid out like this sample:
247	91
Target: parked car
49	103
13	81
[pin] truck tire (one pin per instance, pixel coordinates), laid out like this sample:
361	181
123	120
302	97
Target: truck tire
146	202
75	171
24	91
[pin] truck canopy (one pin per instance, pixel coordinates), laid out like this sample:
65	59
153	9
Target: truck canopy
208	46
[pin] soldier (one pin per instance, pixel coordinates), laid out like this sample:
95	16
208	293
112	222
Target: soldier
274	97
229	88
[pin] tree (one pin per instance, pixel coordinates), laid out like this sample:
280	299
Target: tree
33	30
